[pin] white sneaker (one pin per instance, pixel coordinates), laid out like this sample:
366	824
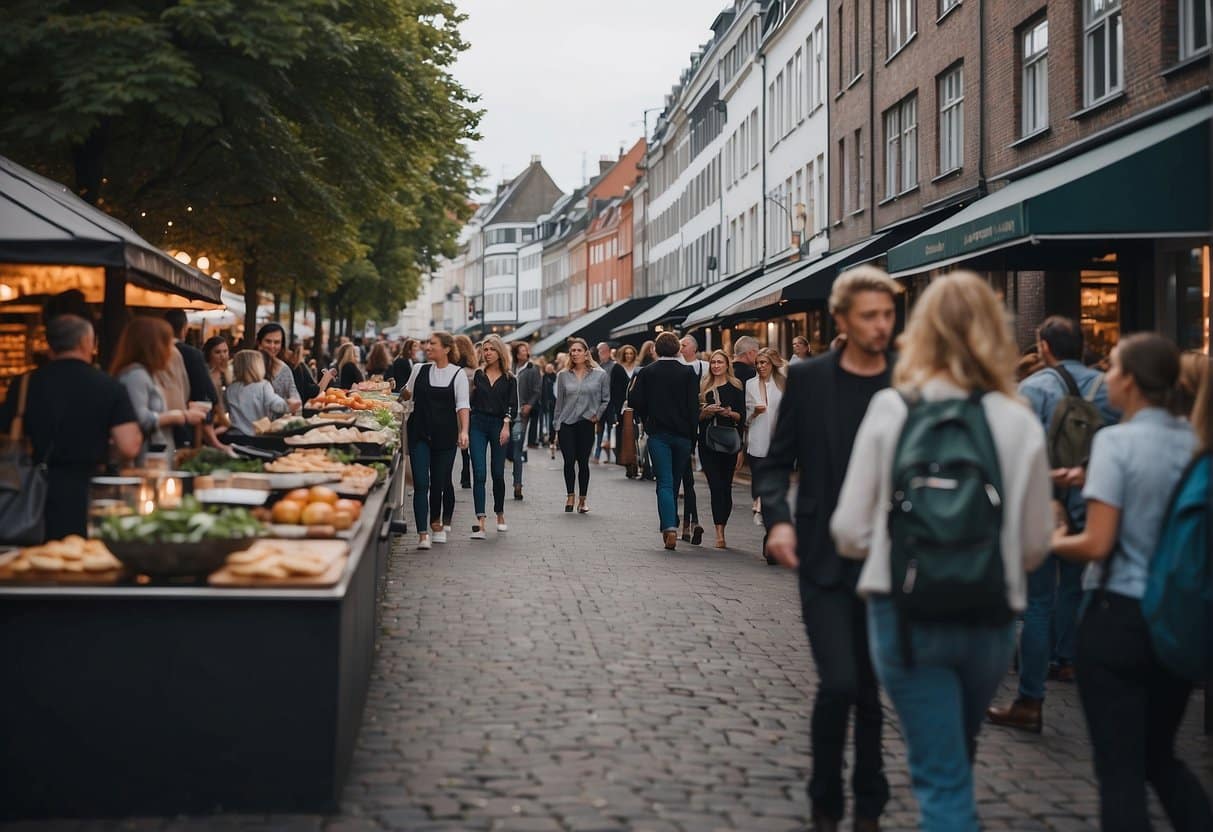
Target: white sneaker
477	533
439	537
424	543
502	527
446	529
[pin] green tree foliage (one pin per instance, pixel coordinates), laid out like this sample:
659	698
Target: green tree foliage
316	145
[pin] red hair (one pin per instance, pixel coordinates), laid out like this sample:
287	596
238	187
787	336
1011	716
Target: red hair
146	341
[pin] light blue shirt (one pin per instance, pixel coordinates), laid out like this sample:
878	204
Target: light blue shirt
1135	467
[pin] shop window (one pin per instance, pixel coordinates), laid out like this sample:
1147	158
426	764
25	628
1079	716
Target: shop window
1191	270
1100	302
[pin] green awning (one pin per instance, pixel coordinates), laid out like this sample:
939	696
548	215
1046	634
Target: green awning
1150	183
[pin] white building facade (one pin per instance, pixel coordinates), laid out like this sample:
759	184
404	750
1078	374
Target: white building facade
741	88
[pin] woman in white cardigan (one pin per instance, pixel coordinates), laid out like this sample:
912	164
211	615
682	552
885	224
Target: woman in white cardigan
958	341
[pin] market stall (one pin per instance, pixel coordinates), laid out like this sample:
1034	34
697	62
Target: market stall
209	646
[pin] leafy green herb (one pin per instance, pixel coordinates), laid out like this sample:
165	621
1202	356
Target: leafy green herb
212	459
190	523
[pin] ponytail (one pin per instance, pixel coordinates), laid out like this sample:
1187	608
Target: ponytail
1152	361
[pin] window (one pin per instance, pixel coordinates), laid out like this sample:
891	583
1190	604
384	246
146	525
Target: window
1034	105
819	75
845	161
800	87
951	119
810	218
901	147
859	169
855	40
810	79
841	82
755	145
771	114
1104	49
901	23
821	192
1193	27
946	6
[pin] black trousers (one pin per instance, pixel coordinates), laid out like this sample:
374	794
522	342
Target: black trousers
836	622
719	469
755	463
690	505
576	443
1133	708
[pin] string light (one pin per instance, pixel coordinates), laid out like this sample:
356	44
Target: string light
218	276
182	257
204	263
170	223
189	209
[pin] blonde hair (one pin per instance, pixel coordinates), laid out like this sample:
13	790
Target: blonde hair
465	352
503	353
623	351
1193	369
248	367
958	327
448	342
346	354
589	356
777	365
860	279
709	380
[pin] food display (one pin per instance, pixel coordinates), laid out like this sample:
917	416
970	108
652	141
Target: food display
374	386
313	512
337	398
209	460
278	563
332	435
188	523
61	559
284	424
306	461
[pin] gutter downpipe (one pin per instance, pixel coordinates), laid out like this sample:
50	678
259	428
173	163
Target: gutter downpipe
871	116
762	97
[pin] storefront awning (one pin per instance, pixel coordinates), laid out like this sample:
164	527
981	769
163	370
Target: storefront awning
42	222
813	281
596	325
716	309
647	320
523	332
710	294
1150	183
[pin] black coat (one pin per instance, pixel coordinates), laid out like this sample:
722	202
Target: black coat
807	432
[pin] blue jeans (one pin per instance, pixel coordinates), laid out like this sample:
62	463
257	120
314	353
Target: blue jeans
431	476
941	703
485	435
519	438
670	454
1049	623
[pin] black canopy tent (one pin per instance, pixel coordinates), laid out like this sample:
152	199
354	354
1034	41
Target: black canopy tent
52	241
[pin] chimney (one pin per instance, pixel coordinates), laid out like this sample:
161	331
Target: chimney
604	164
535	160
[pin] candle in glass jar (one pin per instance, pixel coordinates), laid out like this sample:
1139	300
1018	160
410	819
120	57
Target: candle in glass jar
170	492
146	502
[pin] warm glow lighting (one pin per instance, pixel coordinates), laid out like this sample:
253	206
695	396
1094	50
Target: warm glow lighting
189	208
7	292
182	257
204	263
143	213
217	276
170	223
232	280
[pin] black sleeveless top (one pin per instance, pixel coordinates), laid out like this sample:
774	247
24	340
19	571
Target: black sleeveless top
434	420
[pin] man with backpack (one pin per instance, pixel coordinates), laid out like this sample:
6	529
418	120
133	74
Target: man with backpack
822	407
1071	402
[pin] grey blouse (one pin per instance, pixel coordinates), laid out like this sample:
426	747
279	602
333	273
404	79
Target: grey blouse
283	382
148	402
585	398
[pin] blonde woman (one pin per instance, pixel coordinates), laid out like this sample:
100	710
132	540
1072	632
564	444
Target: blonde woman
957	346
763	393
721	409
582	396
494	400
348	371
250	396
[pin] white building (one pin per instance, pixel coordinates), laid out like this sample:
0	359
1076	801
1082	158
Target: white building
741	88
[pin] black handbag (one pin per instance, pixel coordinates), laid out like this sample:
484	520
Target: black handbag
22	483
723	439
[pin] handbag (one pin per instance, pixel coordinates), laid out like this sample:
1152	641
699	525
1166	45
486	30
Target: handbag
723	439
22	483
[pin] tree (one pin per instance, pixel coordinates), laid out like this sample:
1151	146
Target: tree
271	134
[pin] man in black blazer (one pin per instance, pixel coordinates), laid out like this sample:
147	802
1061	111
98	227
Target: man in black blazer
825	401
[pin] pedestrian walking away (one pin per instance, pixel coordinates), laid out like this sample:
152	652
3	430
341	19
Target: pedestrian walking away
692	532
530	389
582	396
820	440
1054	589
763	393
437	428
494	401
665	397
606	425
721	409
942	637
1132	702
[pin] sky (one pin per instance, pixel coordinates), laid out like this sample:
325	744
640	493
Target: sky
569	80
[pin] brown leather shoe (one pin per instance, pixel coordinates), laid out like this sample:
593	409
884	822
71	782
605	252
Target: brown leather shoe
867	825
1024	714
670	539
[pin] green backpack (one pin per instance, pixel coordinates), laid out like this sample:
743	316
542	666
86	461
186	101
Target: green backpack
1073	424
945	517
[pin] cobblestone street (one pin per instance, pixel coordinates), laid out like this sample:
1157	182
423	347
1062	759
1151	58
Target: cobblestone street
571	675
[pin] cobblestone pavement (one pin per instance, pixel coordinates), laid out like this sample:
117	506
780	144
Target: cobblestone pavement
571	675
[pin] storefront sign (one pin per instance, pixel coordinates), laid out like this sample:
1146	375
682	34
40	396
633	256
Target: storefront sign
967	238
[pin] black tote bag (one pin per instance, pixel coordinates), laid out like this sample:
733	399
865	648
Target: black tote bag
22	483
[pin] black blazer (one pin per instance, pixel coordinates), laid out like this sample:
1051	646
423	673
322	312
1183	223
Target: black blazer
807	432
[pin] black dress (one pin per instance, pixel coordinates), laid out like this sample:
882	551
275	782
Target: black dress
349	376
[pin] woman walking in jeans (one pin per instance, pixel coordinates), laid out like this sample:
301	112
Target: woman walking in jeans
721	406
494	408
1133	704
582	395
665	397
957	344
437	428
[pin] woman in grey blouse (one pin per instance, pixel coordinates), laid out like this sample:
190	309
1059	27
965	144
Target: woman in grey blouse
250	397
583	392
271	340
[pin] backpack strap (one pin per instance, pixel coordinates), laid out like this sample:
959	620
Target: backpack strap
1099	379
1068	380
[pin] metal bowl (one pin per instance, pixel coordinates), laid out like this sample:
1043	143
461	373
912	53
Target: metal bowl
176	560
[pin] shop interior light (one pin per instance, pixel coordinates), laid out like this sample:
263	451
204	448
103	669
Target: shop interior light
204	262
182	257
7	292
232	281
218	276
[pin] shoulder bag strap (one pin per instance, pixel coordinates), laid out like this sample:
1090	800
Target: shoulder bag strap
17	429
1099	379
1067	380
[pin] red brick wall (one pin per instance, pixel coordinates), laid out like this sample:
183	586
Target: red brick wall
849	104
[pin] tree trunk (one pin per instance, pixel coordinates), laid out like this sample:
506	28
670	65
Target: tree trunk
333	324
278	310
251	297
318	345
349	323
290	325
88	158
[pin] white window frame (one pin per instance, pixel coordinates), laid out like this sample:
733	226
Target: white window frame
819	59
902	22
946	6
892	151
822	218
1190	31
1102	21
1034	78
951	120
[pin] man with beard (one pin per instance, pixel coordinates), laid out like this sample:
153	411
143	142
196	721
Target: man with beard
824	402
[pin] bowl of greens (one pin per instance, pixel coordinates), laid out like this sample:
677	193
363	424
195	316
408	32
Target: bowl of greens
188	541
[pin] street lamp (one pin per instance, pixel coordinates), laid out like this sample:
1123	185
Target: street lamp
792	234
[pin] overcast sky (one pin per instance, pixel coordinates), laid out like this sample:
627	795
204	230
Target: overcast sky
567	79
